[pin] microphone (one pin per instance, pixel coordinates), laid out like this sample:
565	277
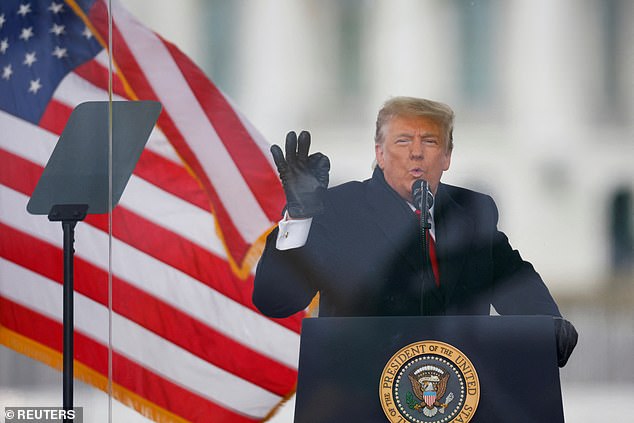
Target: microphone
423	199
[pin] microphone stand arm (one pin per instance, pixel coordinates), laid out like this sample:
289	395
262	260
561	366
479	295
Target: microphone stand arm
425	225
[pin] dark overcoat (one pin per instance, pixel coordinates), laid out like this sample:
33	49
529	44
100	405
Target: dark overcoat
364	257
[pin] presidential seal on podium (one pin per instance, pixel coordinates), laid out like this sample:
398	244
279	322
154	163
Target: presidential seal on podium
429	382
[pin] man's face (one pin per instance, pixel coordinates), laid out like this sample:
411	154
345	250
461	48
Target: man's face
413	147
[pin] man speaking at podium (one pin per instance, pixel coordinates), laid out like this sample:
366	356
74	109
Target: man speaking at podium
360	245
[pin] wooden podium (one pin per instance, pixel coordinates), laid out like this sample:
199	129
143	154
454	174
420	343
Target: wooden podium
481	369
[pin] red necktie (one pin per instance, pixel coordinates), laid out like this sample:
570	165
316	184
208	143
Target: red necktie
433	258
432	254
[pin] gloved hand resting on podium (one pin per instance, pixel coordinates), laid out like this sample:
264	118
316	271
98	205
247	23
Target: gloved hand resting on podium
566	337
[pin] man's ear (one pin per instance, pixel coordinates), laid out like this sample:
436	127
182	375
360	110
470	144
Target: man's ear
378	154
447	160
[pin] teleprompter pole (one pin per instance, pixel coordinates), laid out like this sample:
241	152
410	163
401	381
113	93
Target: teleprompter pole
69	215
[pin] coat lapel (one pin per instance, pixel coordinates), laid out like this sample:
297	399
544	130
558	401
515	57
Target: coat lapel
393	216
454	233
399	225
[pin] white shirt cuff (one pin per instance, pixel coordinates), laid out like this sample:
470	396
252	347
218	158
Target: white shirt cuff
292	233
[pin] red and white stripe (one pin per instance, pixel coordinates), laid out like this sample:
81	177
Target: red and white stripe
186	337
205	130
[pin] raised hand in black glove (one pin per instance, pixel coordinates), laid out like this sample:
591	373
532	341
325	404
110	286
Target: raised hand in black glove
304	177
566	337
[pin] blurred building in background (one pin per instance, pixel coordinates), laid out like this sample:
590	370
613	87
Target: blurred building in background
543	93
544	99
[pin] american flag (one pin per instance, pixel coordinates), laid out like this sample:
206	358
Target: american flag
188	344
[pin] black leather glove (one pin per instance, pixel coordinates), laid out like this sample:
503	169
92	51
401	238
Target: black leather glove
566	337
304	177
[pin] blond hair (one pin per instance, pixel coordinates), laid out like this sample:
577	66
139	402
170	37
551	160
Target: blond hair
411	106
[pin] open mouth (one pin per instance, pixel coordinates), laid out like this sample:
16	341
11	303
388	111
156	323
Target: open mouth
416	173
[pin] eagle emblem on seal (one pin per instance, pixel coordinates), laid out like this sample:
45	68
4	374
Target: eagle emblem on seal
429	384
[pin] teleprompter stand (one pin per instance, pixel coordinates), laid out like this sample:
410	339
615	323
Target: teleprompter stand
76	182
69	215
